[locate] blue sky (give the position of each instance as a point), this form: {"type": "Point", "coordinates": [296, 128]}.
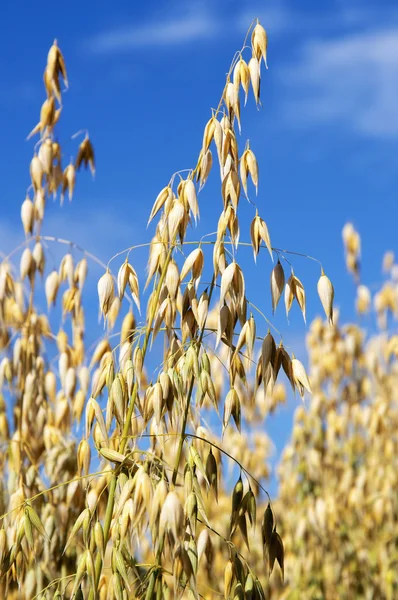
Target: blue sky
{"type": "Point", "coordinates": [143, 77]}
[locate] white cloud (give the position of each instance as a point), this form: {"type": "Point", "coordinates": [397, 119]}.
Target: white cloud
{"type": "Point", "coordinates": [194, 24]}
{"type": "Point", "coordinates": [189, 23]}
{"type": "Point", "coordinates": [351, 80]}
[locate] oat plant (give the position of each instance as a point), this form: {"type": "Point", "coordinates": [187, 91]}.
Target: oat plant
{"type": "Point", "coordinates": [337, 505]}
{"type": "Point", "coordinates": [138, 503]}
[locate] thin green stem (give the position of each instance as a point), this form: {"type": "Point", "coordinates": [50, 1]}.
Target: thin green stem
{"type": "Point", "coordinates": [188, 400]}
{"type": "Point", "coordinates": [112, 488]}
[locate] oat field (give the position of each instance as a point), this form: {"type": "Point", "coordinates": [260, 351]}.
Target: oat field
{"type": "Point", "coordinates": [120, 481]}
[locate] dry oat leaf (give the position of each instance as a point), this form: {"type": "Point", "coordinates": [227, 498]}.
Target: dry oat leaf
{"type": "Point", "coordinates": [326, 295]}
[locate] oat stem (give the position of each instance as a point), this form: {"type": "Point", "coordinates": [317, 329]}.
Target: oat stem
{"type": "Point", "coordinates": [127, 424]}
{"type": "Point", "coordinates": [188, 399]}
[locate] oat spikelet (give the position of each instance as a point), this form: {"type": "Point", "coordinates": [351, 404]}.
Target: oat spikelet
{"type": "Point", "coordinates": [56, 63]}
{"type": "Point", "coordinates": [106, 292]}
{"type": "Point", "coordinates": [277, 284]}
{"type": "Point", "coordinates": [68, 181]}
{"type": "Point", "coordinates": [326, 294]}
{"type": "Point", "coordinates": [259, 233]}
{"type": "Point", "coordinates": [85, 155]}
{"type": "Point", "coordinates": [254, 70]}
{"type": "Point", "coordinates": [27, 215]}
{"type": "Point", "coordinates": [259, 43]}
{"type": "Point", "coordinates": [300, 377]}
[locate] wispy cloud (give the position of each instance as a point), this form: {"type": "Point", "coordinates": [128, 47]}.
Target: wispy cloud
{"type": "Point", "coordinates": [193, 24]}
{"type": "Point", "coordinates": [187, 23]}
{"type": "Point", "coordinates": [351, 80]}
